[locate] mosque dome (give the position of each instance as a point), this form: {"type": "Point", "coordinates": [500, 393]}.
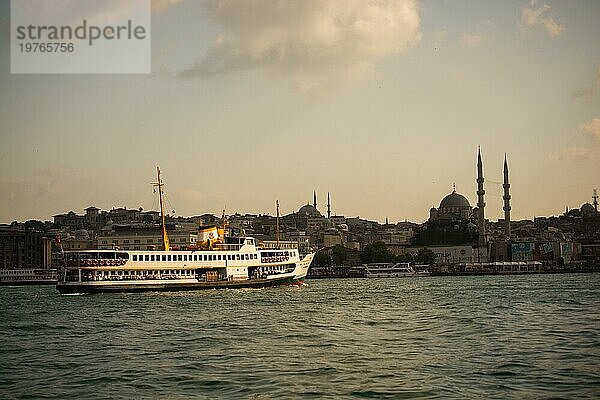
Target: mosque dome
{"type": "Point", "coordinates": [587, 208]}
{"type": "Point", "coordinates": [455, 200]}
{"type": "Point", "coordinates": [310, 211]}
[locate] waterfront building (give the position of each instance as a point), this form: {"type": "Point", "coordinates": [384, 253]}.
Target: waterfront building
{"type": "Point", "coordinates": [144, 238]}
{"type": "Point", "coordinates": [22, 249]}
{"type": "Point", "coordinates": [449, 255]}
{"type": "Point", "coordinates": [69, 220]}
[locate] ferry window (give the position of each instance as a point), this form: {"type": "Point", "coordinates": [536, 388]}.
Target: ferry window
{"type": "Point", "coordinates": [147, 257]}
{"type": "Point", "coordinates": [219, 257]}
{"type": "Point", "coordinates": [105, 242]}
{"type": "Point", "coordinates": [148, 240]}
{"type": "Point", "coordinates": [179, 258]}
{"type": "Point", "coordinates": [164, 257]}
{"type": "Point", "coordinates": [152, 257]}
{"type": "Point", "coordinates": [185, 257]}
{"type": "Point", "coordinates": [169, 257]}
{"type": "Point", "coordinates": [126, 241]}
{"type": "Point", "coordinates": [247, 257]}
{"type": "Point", "coordinates": [205, 257]}
{"type": "Point", "coordinates": [237, 256]}
{"type": "Point", "coordinates": [136, 241]}
{"type": "Point", "coordinates": [135, 257]}
{"type": "Point", "coordinates": [287, 253]}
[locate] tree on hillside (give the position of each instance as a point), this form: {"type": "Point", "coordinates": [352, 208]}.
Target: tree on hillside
{"type": "Point", "coordinates": [405, 258]}
{"type": "Point", "coordinates": [376, 253]}
{"type": "Point", "coordinates": [321, 259]}
{"type": "Point", "coordinates": [425, 256]}
{"type": "Point", "coordinates": [339, 255]}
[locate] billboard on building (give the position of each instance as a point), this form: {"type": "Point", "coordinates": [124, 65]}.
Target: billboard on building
{"type": "Point", "coordinates": [566, 251]}
{"type": "Point", "coordinates": [522, 251]}
{"type": "Point", "coordinates": [544, 251]}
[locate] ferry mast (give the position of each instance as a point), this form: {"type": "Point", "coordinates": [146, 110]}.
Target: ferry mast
{"type": "Point", "coordinates": [277, 230]}
{"type": "Point", "coordinates": [165, 237]}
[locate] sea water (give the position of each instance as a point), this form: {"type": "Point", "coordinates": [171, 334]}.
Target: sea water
{"type": "Point", "coordinates": [529, 336]}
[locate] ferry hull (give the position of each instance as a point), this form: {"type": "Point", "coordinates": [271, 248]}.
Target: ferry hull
{"type": "Point", "coordinates": [116, 287]}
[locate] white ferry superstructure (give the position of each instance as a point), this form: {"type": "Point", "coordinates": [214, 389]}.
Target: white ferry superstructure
{"type": "Point", "coordinates": [391, 270]}
{"type": "Point", "coordinates": [231, 262]}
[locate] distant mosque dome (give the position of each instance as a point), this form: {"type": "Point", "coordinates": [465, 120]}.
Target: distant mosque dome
{"type": "Point", "coordinates": [453, 205]}
{"type": "Point", "coordinates": [454, 200]}
{"type": "Point", "coordinates": [309, 211]}
{"type": "Point", "coordinates": [587, 209]}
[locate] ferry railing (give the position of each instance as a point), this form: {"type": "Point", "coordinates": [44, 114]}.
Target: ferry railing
{"type": "Point", "coordinates": [227, 246]}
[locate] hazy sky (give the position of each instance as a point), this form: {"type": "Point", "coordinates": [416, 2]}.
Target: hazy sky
{"type": "Point", "coordinates": [382, 103]}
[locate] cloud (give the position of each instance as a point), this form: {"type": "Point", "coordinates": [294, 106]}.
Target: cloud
{"type": "Point", "coordinates": [589, 150]}
{"type": "Point", "coordinates": [592, 130]}
{"type": "Point", "coordinates": [316, 44]}
{"type": "Point", "coordinates": [440, 39]}
{"type": "Point", "coordinates": [457, 73]}
{"type": "Point", "coordinates": [162, 5]}
{"type": "Point", "coordinates": [471, 39]}
{"type": "Point", "coordinates": [590, 91]}
{"type": "Point", "coordinates": [534, 15]}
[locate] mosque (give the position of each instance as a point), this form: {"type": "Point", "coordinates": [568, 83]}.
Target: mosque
{"type": "Point", "coordinates": [455, 222]}
{"type": "Point", "coordinates": [310, 210]}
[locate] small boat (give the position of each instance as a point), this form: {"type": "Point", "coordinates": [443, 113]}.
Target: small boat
{"type": "Point", "coordinates": [391, 270]}
{"type": "Point", "coordinates": [216, 263]}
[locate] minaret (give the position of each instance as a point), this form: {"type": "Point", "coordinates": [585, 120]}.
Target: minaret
{"type": "Point", "coordinates": [480, 201]}
{"type": "Point", "coordinates": [595, 199]}
{"type": "Point", "coordinates": [506, 199]}
{"type": "Point", "coordinates": [315, 199]}
{"type": "Point", "coordinates": [328, 206]}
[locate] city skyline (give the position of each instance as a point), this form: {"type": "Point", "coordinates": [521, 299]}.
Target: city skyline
{"type": "Point", "coordinates": [381, 104]}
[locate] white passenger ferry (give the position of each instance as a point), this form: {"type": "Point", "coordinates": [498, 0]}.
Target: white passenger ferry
{"type": "Point", "coordinates": [225, 262]}
{"type": "Point", "coordinates": [391, 270]}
